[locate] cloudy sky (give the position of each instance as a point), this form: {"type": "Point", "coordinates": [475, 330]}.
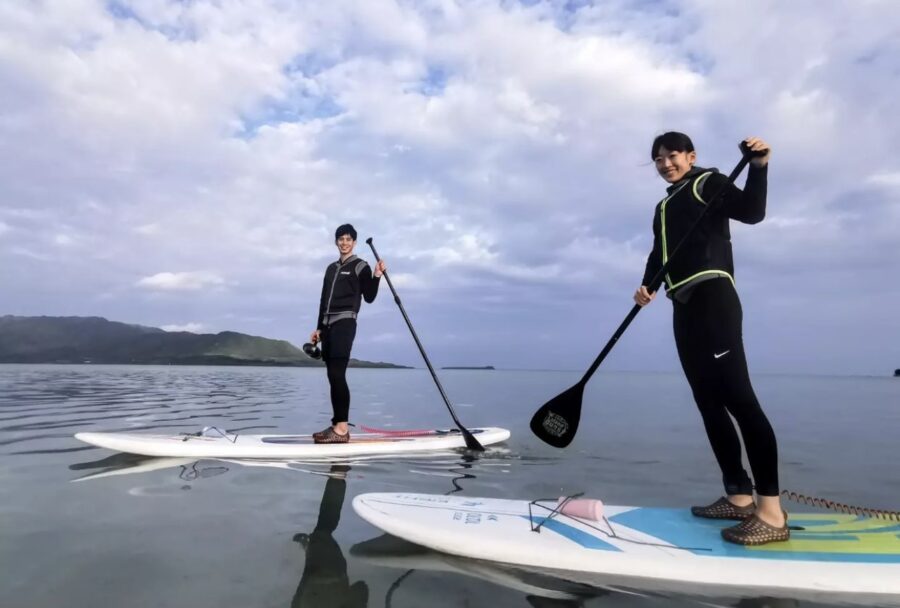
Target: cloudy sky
{"type": "Point", "coordinates": [184, 164]}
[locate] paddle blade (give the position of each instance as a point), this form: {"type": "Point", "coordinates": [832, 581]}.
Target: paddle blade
{"type": "Point", "coordinates": [557, 420]}
{"type": "Point", "coordinates": [471, 442]}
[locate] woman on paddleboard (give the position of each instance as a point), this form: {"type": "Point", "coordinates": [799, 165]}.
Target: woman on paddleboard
{"type": "Point", "coordinates": [347, 281]}
{"type": "Point", "coordinates": [707, 323]}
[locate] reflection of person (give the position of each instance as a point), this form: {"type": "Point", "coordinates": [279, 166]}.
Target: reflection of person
{"type": "Point", "coordinates": [547, 602]}
{"type": "Point", "coordinates": [347, 282]}
{"type": "Point", "coordinates": [324, 582]}
{"type": "Point", "coordinates": [707, 321]}
{"type": "Point", "coordinates": [767, 602]}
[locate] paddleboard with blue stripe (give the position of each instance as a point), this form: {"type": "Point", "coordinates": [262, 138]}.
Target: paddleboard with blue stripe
{"type": "Point", "coordinates": [661, 549]}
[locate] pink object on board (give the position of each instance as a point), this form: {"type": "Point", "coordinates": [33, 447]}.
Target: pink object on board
{"type": "Point", "coordinates": [585, 508]}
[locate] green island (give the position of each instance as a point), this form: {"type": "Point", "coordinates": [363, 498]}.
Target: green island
{"type": "Point", "coordinates": [95, 340]}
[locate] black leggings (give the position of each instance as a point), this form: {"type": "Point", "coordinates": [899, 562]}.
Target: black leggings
{"type": "Point", "coordinates": [337, 342]}
{"type": "Point", "coordinates": [340, 391]}
{"type": "Point", "coordinates": [710, 345]}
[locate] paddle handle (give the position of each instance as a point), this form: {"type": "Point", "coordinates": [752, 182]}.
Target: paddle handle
{"type": "Point", "coordinates": [413, 332]}
{"type": "Point", "coordinates": [609, 345]}
{"type": "Point", "coordinates": [471, 442]}
{"type": "Point", "coordinates": [393, 291]}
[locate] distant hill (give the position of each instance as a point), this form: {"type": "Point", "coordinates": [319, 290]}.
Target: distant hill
{"type": "Point", "coordinates": [97, 340]}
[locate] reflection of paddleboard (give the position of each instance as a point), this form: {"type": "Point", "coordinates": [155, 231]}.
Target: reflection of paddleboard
{"type": "Point", "coordinates": [215, 444]}
{"type": "Point", "coordinates": [652, 548]}
{"type": "Point", "coordinates": [393, 552]}
{"type": "Point", "coordinates": [143, 466]}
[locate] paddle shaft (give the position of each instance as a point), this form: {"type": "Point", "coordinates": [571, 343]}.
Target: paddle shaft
{"type": "Point", "coordinates": [471, 442]}
{"type": "Point", "coordinates": [657, 279]}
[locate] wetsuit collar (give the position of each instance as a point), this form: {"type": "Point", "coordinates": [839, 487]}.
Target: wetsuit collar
{"type": "Point", "coordinates": [350, 258]}
{"type": "Point", "coordinates": [694, 172]}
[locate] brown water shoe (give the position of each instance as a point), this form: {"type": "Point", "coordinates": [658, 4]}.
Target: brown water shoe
{"type": "Point", "coordinates": [754, 531]}
{"type": "Point", "coordinates": [330, 436]}
{"type": "Point", "coordinates": [724, 509]}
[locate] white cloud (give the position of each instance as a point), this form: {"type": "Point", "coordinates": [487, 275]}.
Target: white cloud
{"type": "Point", "coordinates": [181, 281]}
{"type": "Point", "coordinates": [386, 338]}
{"type": "Point", "coordinates": [889, 180]}
{"type": "Point", "coordinates": [28, 253]}
{"type": "Point", "coordinates": [148, 229]}
{"type": "Point", "coordinates": [496, 151]}
{"type": "Point", "coordinates": [194, 328]}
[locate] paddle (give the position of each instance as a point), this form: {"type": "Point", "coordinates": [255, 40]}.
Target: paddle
{"type": "Point", "coordinates": [471, 442]}
{"type": "Point", "coordinates": [557, 420]}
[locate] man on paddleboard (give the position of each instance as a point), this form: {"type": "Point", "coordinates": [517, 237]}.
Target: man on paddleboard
{"type": "Point", "coordinates": [707, 324]}
{"type": "Point", "coordinates": [347, 281]}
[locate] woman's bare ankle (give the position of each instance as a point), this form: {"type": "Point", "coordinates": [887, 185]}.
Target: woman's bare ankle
{"type": "Point", "coordinates": [740, 500]}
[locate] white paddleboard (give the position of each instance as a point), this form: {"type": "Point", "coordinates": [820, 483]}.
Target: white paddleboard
{"type": "Point", "coordinates": [215, 444]}
{"type": "Point", "coordinates": [653, 548]}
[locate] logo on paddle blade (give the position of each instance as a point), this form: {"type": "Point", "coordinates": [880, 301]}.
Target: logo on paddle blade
{"type": "Point", "coordinates": [555, 424]}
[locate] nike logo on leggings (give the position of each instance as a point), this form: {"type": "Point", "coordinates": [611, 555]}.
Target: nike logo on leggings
{"type": "Point", "coordinates": [720, 355]}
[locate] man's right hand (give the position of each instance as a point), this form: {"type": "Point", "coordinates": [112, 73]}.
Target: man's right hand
{"type": "Point", "coordinates": [315, 336]}
{"type": "Point", "coordinates": [642, 297]}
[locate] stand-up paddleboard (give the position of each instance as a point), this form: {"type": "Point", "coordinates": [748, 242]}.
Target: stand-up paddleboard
{"type": "Point", "coordinates": [653, 548]}
{"type": "Point", "coordinates": [213, 443]}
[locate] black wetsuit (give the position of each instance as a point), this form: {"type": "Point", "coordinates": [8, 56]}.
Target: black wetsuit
{"type": "Point", "coordinates": [708, 318]}
{"type": "Point", "coordinates": [345, 285]}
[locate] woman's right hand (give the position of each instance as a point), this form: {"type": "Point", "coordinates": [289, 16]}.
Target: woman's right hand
{"type": "Point", "coordinates": [642, 297]}
{"type": "Point", "coordinates": [315, 336]}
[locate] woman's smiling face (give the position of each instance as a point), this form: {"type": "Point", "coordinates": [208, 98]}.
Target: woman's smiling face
{"type": "Point", "coordinates": [672, 166]}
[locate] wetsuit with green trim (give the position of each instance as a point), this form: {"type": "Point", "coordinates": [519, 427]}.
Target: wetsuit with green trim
{"type": "Point", "coordinates": [346, 284]}
{"type": "Point", "coordinates": [707, 319]}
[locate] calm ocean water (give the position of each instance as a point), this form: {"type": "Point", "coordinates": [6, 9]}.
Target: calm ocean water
{"type": "Point", "coordinates": [81, 526]}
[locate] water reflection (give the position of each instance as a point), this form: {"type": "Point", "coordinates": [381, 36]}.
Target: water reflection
{"type": "Point", "coordinates": [456, 465]}
{"type": "Point", "coordinates": [325, 581]}
{"type": "Point", "coordinates": [189, 469]}
{"type": "Point", "coordinates": [391, 552]}
{"type": "Point", "coordinates": [541, 589]}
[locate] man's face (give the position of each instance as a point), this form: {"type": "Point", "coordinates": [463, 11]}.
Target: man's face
{"type": "Point", "coordinates": [673, 165]}
{"type": "Point", "coordinates": [345, 244]}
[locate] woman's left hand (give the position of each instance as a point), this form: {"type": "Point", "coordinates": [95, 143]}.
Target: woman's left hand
{"type": "Point", "coordinates": [758, 145]}
{"type": "Point", "coordinates": [380, 268]}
